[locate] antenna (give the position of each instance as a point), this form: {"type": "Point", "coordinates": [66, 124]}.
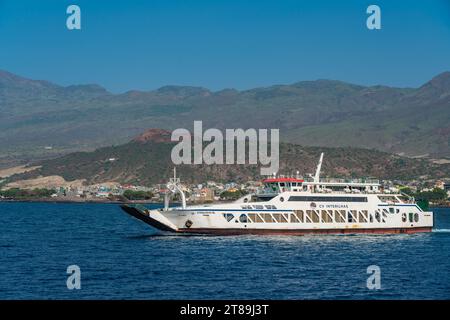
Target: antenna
{"type": "Point", "coordinates": [319, 166]}
{"type": "Point", "coordinates": [174, 180]}
{"type": "Point", "coordinates": [174, 186]}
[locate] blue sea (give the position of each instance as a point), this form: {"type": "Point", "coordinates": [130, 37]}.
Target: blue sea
{"type": "Point", "coordinates": [122, 258]}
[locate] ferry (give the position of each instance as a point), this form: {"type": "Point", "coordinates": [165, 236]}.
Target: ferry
{"type": "Point", "coordinates": [295, 206]}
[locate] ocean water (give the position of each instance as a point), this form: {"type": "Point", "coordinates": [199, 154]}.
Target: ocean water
{"type": "Point", "coordinates": [122, 258]}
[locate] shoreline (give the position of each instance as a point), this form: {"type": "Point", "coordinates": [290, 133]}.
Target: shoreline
{"type": "Point", "coordinates": [102, 201]}
{"type": "Point", "coordinates": [96, 201]}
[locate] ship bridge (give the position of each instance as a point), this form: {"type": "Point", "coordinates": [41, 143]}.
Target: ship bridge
{"type": "Point", "coordinates": [344, 185]}
{"type": "Point", "coordinates": [276, 185]}
{"type": "Point", "coordinates": [314, 184]}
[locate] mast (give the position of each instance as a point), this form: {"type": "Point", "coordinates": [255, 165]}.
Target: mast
{"type": "Point", "coordinates": [319, 166]}
{"type": "Point", "coordinates": [174, 186]}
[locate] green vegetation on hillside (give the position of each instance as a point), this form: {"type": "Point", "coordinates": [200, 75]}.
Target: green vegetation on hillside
{"type": "Point", "coordinates": [149, 162]}
{"type": "Point", "coordinates": [137, 195]}
{"type": "Point", "coordinates": [436, 195]}
{"type": "Point", "coordinates": [232, 195]}
{"type": "Point", "coordinates": [16, 193]}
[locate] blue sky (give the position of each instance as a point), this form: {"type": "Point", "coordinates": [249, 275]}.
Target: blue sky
{"type": "Point", "coordinates": [219, 44]}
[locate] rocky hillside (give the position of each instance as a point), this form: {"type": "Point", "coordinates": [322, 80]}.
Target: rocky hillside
{"type": "Point", "coordinates": [146, 160]}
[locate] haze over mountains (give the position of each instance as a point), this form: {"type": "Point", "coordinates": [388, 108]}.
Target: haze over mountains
{"type": "Point", "coordinates": [35, 114]}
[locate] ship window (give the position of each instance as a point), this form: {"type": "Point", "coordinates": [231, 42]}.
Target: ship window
{"type": "Point", "coordinates": [339, 216]}
{"type": "Point", "coordinates": [228, 216]}
{"type": "Point", "coordinates": [267, 217]}
{"type": "Point", "coordinates": [329, 199]}
{"type": "Point", "coordinates": [377, 215]}
{"type": "Point", "coordinates": [313, 216]}
{"type": "Point", "coordinates": [294, 218]}
{"type": "Point", "coordinates": [299, 214]}
{"type": "Point", "coordinates": [416, 217]}
{"type": "Point", "coordinates": [243, 218]}
{"type": "Point", "coordinates": [411, 215]}
{"type": "Point", "coordinates": [362, 216]}
{"type": "Point", "coordinates": [254, 217]}
{"type": "Point", "coordinates": [326, 217]}
{"type": "Point", "coordinates": [279, 217]}
{"type": "Point", "coordinates": [308, 217]}
{"type": "Point", "coordinates": [391, 210]}
{"type": "Point", "coordinates": [391, 199]}
{"type": "Point", "coordinates": [350, 217]}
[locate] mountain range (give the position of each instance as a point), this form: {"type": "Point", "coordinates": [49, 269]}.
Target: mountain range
{"type": "Point", "coordinates": [39, 119]}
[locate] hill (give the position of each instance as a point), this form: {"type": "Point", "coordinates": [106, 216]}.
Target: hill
{"type": "Point", "coordinates": [36, 114]}
{"type": "Point", "coordinates": [146, 160]}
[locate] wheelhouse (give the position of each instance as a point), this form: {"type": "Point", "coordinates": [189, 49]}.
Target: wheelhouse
{"type": "Point", "coordinates": [274, 186]}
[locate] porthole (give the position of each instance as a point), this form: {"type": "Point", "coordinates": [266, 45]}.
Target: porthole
{"type": "Point", "coordinates": [416, 217]}
{"type": "Point", "coordinates": [243, 218]}
{"type": "Point", "coordinates": [281, 199]}
{"type": "Point", "coordinates": [404, 217]}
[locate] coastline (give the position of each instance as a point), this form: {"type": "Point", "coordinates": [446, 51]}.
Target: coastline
{"type": "Point", "coordinates": [100, 201]}
{"type": "Point", "coordinates": [105, 201]}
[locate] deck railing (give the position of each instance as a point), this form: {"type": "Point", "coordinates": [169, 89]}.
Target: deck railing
{"type": "Point", "coordinates": [350, 181]}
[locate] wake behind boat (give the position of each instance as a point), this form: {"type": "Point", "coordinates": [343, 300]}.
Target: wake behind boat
{"type": "Point", "coordinates": [295, 206]}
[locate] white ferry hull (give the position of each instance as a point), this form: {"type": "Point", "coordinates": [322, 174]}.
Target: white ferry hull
{"type": "Point", "coordinates": [215, 224]}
